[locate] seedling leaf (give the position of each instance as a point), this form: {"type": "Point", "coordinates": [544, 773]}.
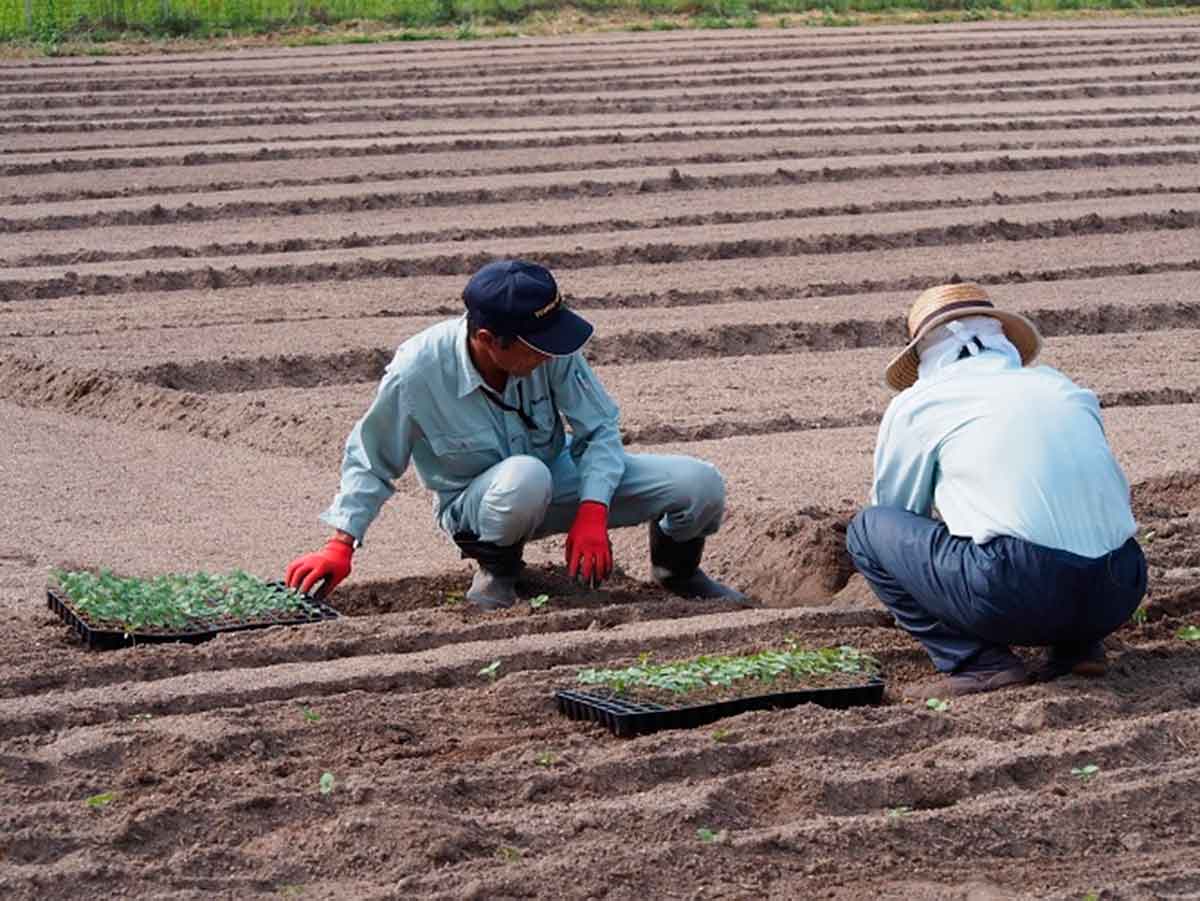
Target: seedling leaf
{"type": "Point", "coordinates": [96, 802]}
{"type": "Point", "coordinates": [546, 758]}
{"type": "Point", "coordinates": [939, 704]}
{"type": "Point", "coordinates": [310, 715]}
{"type": "Point", "coordinates": [896, 813]}
{"type": "Point", "coordinates": [706, 835]}
{"type": "Point", "coordinates": [491, 671]}
{"type": "Point", "coordinates": [326, 783]}
{"type": "Point", "coordinates": [1140, 615]}
{"type": "Point", "coordinates": [539, 602]}
{"type": "Point", "coordinates": [722, 736]}
{"type": "Point", "coordinates": [507, 854]}
{"type": "Point", "coordinates": [1189, 633]}
{"type": "Point", "coordinates": [1085, 772]}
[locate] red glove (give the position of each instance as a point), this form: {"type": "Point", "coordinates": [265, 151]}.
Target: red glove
{"type": "Point", "coordinates": [331, 564]}
{"type": "Point", "coordinates": [589, 553]}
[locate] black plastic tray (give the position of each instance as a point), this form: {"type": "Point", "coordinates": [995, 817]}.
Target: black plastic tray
{"type": "Point", "coordinates": [628, 716]}
{"type": "Point", "coordinates": [108, 639]}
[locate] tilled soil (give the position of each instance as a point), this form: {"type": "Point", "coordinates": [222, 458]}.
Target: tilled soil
{"type": "Point", "coordinates": [207, 260]}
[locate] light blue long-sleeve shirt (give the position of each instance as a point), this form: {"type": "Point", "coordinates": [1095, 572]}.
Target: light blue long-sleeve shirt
{"type": "Point", "coordinates": [1004, 450]}
{"type": "Point", "coordinates": [431, 409]}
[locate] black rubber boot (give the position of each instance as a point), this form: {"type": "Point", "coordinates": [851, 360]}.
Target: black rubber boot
{"type": "Point", "coordinates": [495, 584]}
{"type": "Point", "coordinates": [675, 565]}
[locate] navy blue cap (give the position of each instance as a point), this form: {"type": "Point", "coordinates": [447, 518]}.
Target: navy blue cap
{"type": "Point", "coordinates": [517, 299]}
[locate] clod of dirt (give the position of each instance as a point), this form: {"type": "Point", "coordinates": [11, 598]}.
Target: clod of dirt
{"type": "Point", "coordinates": [792, 560]}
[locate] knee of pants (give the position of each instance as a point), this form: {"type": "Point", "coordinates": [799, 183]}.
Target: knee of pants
{"type": "Point", "coordinates": [858, 542]}
{"type": "Point", "coordinates": [515, 504]}
{"type": "Point", "coordinates": [703, 486]}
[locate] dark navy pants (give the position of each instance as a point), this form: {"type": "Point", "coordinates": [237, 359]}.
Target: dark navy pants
{"type": "Point", "coordinates": [968, 602]}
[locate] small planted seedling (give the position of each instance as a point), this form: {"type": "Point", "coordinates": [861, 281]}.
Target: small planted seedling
{"type": "Point", "coordinates": [539, 602]}
{"type": "Point", "coordinates": [454, 597]}
{"type": "Point", "coordinates": [327, 783]}
{"type": "Point", "coordinates": [723, 736]}
{"type": "Point", "coordinates": [491, 672]}
{"type": "Point", "coordinates": [1189, 633]}
{"type": "Point", "coordinates": [546, 759]}
{"type": "Point", "coordinates": [1140, 615]}
{"type": "Point", "coordinates": [706, 835]}
{"type": "Point", "coordinates": [1086, 772]}
{"type": "Point", "coordinates": [899, 812]}
{"type": "Point", "coordinates": [102, 800]}
{"type": "Point", "coordinates": [941, 705]}
{"type": "Point", "coordinates": [310, 715]}
{"type": "Point", "coordinates": [140, 717]}
{"type": "Point", "coordinates": [508, 854]}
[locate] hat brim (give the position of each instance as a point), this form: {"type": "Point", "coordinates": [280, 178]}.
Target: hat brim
{"type": "Point", "coordinates": [568, 333]}
{"type": "Point", "coordinates": [904, 368]}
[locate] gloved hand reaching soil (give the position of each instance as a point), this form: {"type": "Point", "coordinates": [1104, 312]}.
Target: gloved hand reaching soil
{"type": "Point", "coordinates": [589, 552]}
{"type": "Point", "coordinates": [331, 565]}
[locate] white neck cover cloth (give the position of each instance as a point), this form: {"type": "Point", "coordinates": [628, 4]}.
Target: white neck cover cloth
{"type": "Point", "coordinates": [943, 345]}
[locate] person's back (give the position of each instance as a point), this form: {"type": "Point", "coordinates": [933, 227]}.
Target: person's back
{"type": "Point", "coordinates": [1021, 452]}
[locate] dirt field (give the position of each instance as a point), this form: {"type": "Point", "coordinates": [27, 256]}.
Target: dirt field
{"type": "Point", "coordinates": [205, 262]}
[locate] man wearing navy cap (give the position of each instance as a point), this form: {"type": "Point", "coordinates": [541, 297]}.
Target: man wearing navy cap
{"type": "Point", "coordinates": [478, 405]}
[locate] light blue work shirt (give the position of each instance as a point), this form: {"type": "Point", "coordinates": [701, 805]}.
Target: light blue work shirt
{"type": "Point", "coordinates": [1004, 450]}
{"type": "Point", "coordinates": [431, 408]}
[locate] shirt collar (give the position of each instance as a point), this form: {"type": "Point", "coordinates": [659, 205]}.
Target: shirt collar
{"type": "Point", "coordinates": [469, 378]}
{"type": "Point", "coordinates": [984, 362]}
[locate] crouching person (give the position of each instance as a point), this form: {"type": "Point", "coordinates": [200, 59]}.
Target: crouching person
{"type": "Point", "coordinates": [478, 405]}
{"type": "Point", "coordinates": [1035, 540]}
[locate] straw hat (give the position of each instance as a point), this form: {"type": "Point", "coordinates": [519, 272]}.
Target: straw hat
{"type": "Point", "coordinates": [943, 303]}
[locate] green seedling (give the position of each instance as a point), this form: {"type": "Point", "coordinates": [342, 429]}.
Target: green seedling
{"type": "Point", "coordinates": [102, 800]}
{"type": "Point", "coordinates": [706, 835]}
{"type": "Point", "coordinates": [326, 784]}
{"type": "Point", "coordinates": [1148, 537]}
{"type": "Point", "coordinates": [1189, 633]}
{"type": "Point", "coordinates": [491, 671]}
{"type": "Point", "coordinates": [1140, 615]}
{"type": "Point", "coordinates": [1091, 896]}
{"type": "Point", "coordinates": [939, 704]}
{"type": "Point", "coordinates": [1085, 772]}
{"type": "Point", "coordinates": [140, 717]}
{"type": "Point", "coordinates": [177, 601]}
{"type": "Point", "coordinates": [508, 854]}
{"type": "Point", "coordinates": [897, 813]}
{"type": "Point", "coordinates": [546, 759]}
{"type": "Point", "coordinates": [723, 736]}
{"type": "Point", "coordinates": [539, 602]}
{"type": "Point", "coordinates": [310, 715]}
{"type": "Point", "coordinates": [454, 597]}
{"type": "Point", "coordinates": [702, 672]}
{"type": "Point", "coordinates": [291, 891]}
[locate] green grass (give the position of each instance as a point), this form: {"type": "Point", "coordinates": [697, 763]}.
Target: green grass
{"type": "Point", "coordinates": [175, 601]}
{"type": "Point", "coordinates": [685, 676]}
{"type": "Point", "coordinates": [52, 23]}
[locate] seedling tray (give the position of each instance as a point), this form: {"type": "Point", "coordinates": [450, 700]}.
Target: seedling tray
{"type": "Point", "coordinates": [99, 638]}
{"type": "Point", "coordinates": [624, 717]}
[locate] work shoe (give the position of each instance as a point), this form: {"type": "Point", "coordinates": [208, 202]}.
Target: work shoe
{"type": "Point", "coordinates": [1078, 659]}
{"type": "Point", "coordinates": [489, 591]}
{"type": "Point", "coordinates": [675, 565]}
{"type": "Point", "coordinates": [495, 584]}
{"type": "Point", "coordinates": [967, 682]}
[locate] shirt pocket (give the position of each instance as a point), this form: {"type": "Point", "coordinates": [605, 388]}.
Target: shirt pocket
{"type": "Point", "coordinates": [464, 456]}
